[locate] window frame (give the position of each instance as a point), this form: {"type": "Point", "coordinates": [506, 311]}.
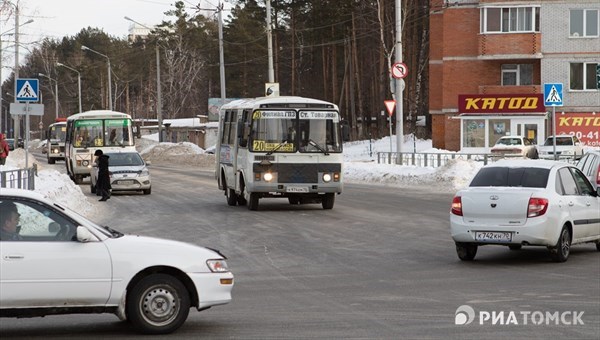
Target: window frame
{"type": "Point", "coordinates": [583, 76]}
{"type": "Point", "coordinates": [584, 26]}
{"type": "Point", "coordinates": [510, 19]}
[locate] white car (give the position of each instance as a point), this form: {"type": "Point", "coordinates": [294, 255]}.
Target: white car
{"type": "Point", "coordinates": [129, 172]}
{"type": "Point", "coordinates": [567, 146]}
{"type": "Point", "coordinates": [518, 203]}
{"type": "Point", "coordinates": [514, 146]}
{"type": "Point", "coordinates": [62, 263]}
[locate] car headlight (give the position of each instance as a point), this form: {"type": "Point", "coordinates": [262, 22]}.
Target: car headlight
{"type": "Point", "coordinates": [55, 151]}
{"type": "Point", "coordinates": [144, 173]}
{"type": "Point", "coordinates": [267, 176]}
{"type": "Point", "coordinates": [217, 266]}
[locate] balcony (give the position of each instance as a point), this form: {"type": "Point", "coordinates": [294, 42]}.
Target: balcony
{"type": "Point", "coordinates": [499, 89]}
{"type": "Point", "coordinates": [510, 46]}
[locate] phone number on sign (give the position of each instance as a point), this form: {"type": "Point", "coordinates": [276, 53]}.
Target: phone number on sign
{"type": "Point", "coordinates": [587, 138]}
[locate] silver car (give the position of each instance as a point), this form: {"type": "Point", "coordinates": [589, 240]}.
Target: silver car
{"type": "Point", "coordinates": [128, 172]}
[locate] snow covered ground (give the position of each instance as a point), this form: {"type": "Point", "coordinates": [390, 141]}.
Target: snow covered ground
{"type": "Point", "coordinates": [360, 166]}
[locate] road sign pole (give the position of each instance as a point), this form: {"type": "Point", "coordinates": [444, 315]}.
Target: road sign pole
{"type": "Point", "coordinates": [554, 132]}
{"type": "Point", "coordinates": [26, 145]}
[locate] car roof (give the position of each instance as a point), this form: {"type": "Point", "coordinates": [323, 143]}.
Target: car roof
{"type": "Point", "coordinates": [527, 163]}
{"type": "Point", "coordinates": [22, 193]}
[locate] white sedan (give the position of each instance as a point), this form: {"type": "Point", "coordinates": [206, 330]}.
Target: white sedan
{"type": "Point", "coordinates": [128, 172]}
{"type": "Point", "coordinates": [54, 261]}
{"type": "Point", "coordinates": [514, 146]}
{"type": "Point", "coordinates": [518, 203]}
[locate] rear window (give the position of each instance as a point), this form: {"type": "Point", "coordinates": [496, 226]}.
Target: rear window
{"type": "Point", "coordinates": [511, 177]}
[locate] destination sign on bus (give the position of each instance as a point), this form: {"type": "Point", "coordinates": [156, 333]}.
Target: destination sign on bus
{"type": "Point", "coordinates": [273, 114]}
{"type": "Point", "coordinates": [261, 145]}
{"type": "Point", "coordinates": [319, 115]}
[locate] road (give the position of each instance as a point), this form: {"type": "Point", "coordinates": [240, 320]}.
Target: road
{"type": "Point", "coordinates": [379, 265]}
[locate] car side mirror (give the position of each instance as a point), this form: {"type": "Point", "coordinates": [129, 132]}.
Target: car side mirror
{"type": "Point", "coordinates": [84, 235]}
{"type": "Point", "coordinates": [148, 163]}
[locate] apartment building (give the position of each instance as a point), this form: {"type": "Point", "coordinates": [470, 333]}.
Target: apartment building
{"type": "Point", "coordinates": [489, 61]}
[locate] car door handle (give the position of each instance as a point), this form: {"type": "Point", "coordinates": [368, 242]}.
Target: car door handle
{"type": "Point", "coordinates": [14, 257]}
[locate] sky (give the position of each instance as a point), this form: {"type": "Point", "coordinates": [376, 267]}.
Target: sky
{"type": "Point", "coordinates": [360, 166]}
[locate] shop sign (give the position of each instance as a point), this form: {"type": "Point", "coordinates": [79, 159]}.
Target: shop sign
{"type": "Point", "coordinates": [585, 126]}
{"type": "Point", "coordinates": [501, 103]}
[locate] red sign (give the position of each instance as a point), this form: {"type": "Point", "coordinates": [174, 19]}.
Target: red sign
{"type": "Point", "coordinates": [501, 103]}
{"type": "Point", "coordinates": [585, 126]}
{"type": "Point", "coordinates": [399, 70]}
{"type": "Point", "coordinates": [390, 105]}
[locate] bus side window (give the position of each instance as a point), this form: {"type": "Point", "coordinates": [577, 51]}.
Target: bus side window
{"type": "Point", "coordinates": [244, 129]}
{"type": "Point", "coordinates": [232, 126]}
{"type": "Point", "coordinates": [225, 132]}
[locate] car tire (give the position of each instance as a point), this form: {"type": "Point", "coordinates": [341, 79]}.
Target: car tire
{"type": "Point", "coordinates": [328, 201]}
{"type": "Point", "coordinates": [253, 201]}
{"type": "Point", "coordinates": [515, 247]}
{"type": "Point", "coordinates": [598, 246]}
{"type": "Point", "coordinates": [147, 191]}
{"type": "Point", "coordinates": [466, 251]}
{"type": "Point", "coordinates": [560, 252]}
{"type": "Point", "coordinates": [51, 161]}
{"type": "Point", "coordinates": [158, 304]}
{"type": "Point", "coordinates": [294, 200]}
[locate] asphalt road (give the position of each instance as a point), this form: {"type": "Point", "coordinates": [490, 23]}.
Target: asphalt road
{"type": "Point", "coordinates": [379, 265]}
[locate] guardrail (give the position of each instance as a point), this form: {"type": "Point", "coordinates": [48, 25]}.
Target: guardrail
{"type": "Point", "coordinates": [436, 160]}
{"type": "Point", "coordinates": [19, 178]}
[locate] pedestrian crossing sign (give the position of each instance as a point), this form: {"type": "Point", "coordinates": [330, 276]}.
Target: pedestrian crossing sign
{"type": "Point", "coordinates": [27, 90]}
{"type": "Point", "coordinates": [553, 94]}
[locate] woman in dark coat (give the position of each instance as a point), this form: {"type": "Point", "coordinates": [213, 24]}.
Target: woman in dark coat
{"type": "Point", "coordinates": [103, 182]}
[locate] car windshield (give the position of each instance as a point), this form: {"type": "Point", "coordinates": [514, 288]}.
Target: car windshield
{"type": "Point", "coordinates": [559, 141]}
{"type": "Point", "coordinates": [511, 177]}
{"type": "Point", "coordinates": [125, 159]}
{"type": "Point", "coordinates": [509, 141]}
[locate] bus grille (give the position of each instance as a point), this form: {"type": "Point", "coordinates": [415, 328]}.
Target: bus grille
{"type": "Point", "coordinates": [298, 173]}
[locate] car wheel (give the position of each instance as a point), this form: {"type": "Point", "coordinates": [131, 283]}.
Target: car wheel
{"type": "Point", "coordinates": [51, 161]}
{"type": "Point", "coordinates": [466, 251]}
{"type": "Point", "coordinates": [328, 201]}
{"type": "Point", "coordinates": [253, 201]}
{"type": "Point", "coordinates": [560, 252]}
{"type": "Point", "coordinates": [515, 247]}
{"type": "Point", "coordinates": [147, 191]}
{"type": "Point", "coordinates": [294, 200]}
{"type": "Point", "coordinates": [598, 246]}
{"type": "Point", "coordinates": [158, 304]}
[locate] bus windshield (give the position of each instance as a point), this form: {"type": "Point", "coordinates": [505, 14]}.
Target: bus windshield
{"type": "Point", "coordinates": [291, 131]}
{"type": "Point", "coordinates": [102, 132]}
{"type": "Point", "coordinates": [57, 133]}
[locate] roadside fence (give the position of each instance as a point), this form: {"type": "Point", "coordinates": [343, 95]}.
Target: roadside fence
{"type": "Point", "coordinates": [436, 160]}
{"type": "Point", "coordinates": [19, 178]}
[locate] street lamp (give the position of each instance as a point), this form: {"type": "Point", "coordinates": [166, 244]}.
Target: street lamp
{"type": "Point", "coordinates": [78, 81]}
{"type": "Point", "coordinates": [158, 86]}
{"type": "Point", "coordinates": [110, 104]}
{"type": "Point", "coordinates": [55, 91]}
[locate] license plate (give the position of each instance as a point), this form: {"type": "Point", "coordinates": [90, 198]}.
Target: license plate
{"type": "Point", "coordinates": [493, 236]}
{"type": "Point", "coordinates": [126, 182]}
{"type": "Point", "coordinates": [296, 189]}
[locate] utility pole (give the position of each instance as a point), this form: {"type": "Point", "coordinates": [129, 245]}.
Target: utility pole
{"type": "Point", "coordinates": [270, 43]}
{"type": "Point", "coordinates": [399, 82]}
{"type": "Point", "coordinates": [17, 120]}
{"type": "Point", "coordinates": [221, 56]}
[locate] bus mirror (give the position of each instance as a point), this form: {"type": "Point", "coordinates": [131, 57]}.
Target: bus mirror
{"type": "Point", "coordinates": [345, 130]}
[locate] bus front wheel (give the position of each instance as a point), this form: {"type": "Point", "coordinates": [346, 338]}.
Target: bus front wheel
{"type": "Point", "coordinates": [328, 201]}
{"type": "Point", "coordinates": [253, 201]}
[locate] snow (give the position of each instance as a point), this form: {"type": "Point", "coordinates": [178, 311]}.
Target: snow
{"type": "Point", "coordinates": [360, 166]}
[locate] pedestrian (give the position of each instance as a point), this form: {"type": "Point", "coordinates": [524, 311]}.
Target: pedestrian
{"type": "Point", "coordinates": [103, 181]}
{"type": "Point", "coordinates": [3, 149]}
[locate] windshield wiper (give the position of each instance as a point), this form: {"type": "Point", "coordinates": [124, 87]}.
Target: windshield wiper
{"type": "Point", "coordinates": [277, 147]}
{"type": "Point", "coordinates": [316, 145]}
{"type": "Point", "coordinates": [113, 232]}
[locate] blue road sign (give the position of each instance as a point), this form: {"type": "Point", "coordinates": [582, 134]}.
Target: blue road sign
{"type": "Point", "coordinates": [553, 94]}
{"type": "Point", "coordinates": [27, 90]}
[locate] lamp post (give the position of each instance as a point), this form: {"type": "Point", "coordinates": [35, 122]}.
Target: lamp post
{"type": "Point", "coordinates": [55, 91]}
{"type": "Point", "coordinates": [158, 85]}
{"type": "Point", "coordinates": [110, 103]}
{"type": "Point", "coordinates": [78, 81]}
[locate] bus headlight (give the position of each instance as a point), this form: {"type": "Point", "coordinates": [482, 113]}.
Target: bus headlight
{"type": "Point", "coordinates": [85, 163]}
{"type": "Point", "coordinates": [267, 176]}
{"type": "Point", "coordinates": [55, 151]}
{"type": "Point", "coordinates": [326, 178]}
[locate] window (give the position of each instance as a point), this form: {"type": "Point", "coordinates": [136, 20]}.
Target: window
{"type": "Point", "coordinates": [474, 133]}
{"type": "Point", "coordinates": [517, 74]}
{"type": "Point", "coordinates": [510, 19]}
{"type": "Point", "coordinates": [511, 177]}
{"type": "Point", "coordinates": [583, 23]}
{"type": "Point", "coordinates": [583, 76]}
